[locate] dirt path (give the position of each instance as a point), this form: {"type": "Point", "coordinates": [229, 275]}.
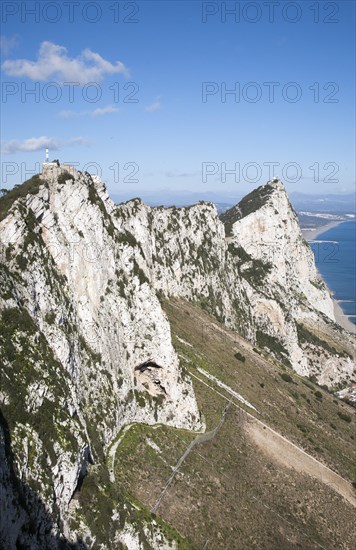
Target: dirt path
{"type": "Point", "coordinates": [283, 450]}
{"type": "Point", "coordinates": [200, 438]}
{"type": "Point", "coordinates": [287, 453]}
{"type": "Point", "coordinates": [112, 451]}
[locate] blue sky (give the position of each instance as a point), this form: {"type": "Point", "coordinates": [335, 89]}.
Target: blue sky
{"type": "Point", "coordinates": [161, 120]}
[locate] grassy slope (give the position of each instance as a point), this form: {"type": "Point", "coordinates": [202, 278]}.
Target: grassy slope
{"type": "Point", "coordinates": [228, 491]}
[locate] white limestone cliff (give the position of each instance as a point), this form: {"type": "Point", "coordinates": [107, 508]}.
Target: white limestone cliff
{"type": "Point", "coordinates": [86, 274]}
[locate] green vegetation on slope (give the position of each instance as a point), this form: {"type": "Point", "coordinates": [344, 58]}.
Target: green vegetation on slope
{"type": "Point", "coordinates": [254, 271]}
{"type": "Point", "coordinates": [227, 491]}
{"type": "Point", "coordinates": [306, 336]}
{"type": "Point", "coordinates": [252, 202]}
{"type": "Point", "coordinates": [29, 187]}
{"type": "Point", "coordinates": [28, 365]}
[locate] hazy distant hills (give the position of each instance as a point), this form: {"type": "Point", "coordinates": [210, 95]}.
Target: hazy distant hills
{"type": "Point", "coordinates": [332, 203]}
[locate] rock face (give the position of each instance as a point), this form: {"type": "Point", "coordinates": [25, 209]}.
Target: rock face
{"type": "Point", "coordinates": [252, 269]}
{"type": "Point", "coordinates": [292, 302]}
{"type": "Point", "coordinates": [78, 315]}
{"type": "Point", "coordinates": [80, 284]}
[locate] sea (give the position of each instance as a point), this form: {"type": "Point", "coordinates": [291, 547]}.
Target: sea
{"type": "Point", "coordinates": [335, 257]}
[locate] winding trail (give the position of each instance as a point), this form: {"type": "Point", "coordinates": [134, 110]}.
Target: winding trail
{"type": "Point", "coordinates": [200, 438]}
{"type": "Point", "coordinates": [112, 451]}
{"type": "Point", "coordinates": [287, 453]}
{"type": "Point", "coordinates": [272, 443]}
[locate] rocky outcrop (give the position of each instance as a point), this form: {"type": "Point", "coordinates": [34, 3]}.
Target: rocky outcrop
{"type": "Point", "coordinates": [292, 302]}
{"type": "Point", "coordinates": [78, 315]}
{"type": "Point", "coordinates": [81, 280]}
{"type": "Point", "coordinates": [252, 269]}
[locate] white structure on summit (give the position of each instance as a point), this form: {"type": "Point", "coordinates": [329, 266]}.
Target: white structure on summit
{"type": "Point", "coordinates": [51, 170]}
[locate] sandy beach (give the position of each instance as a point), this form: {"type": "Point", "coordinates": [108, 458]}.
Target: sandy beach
{"type": "Point", "coordinates": [341, 318]}
{"type": "Point", "coordinates": [313, 233]}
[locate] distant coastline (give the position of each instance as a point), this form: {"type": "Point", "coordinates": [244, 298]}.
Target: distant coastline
{"type": "Point", "coordinates": [311, 235]}
{"type": "Point", "coordinates": [340, 316]}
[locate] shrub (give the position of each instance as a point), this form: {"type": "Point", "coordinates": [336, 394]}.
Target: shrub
{"type": "Point", "coordinates": [344, 416]}
{"type": "Point", "coordinates": [139, 273]}
{"type": "Point", "coordinates": [240, 357]}
{"type": "Point", "coordinates": [21, 262]}
{"type": "Point", "coordinates": [126, 238]}
{"type": "Point", "coordinates": [239, 252]}
{"type": "Point", "coordinates": [271, 342]}
{"type": "Point", "coordinates": [302, 428]}
{"type": "Point", "coordinates": [318, 394]}
{"type": "Point", "coordinates": [50, 317]}
{"type": "Point", "coordinates": [256, 274]}
{"type": "Point", "coordinates": [286, 377]}
{"type": "Point", "coordinates": [65, 176]}
{"type": "Point", "coordinates": [92, 194]}
{"type": "Point", "coordinates": [140, 399]}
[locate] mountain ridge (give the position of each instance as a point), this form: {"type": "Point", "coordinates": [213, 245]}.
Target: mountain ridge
{"type": "Point", "coordinates": [82, 280]}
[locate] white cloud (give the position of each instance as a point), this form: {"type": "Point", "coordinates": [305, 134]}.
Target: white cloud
{"type": "Point", "coordinates": [8, 44]}
{"type": "Point", "coordinates": [39, 143]}
{"type": "Point", "coordinates": [100, 111]}
{"type": "Point", "coordinates": [105, 110]}
{"type": "Point", "coordinates": [153, 107]}
{"type": "Point", "coordinates": [53, 63]}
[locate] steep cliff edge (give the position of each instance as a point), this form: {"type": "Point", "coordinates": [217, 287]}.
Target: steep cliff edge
{"type": "Point", "coordinates": [86, 347]}
{"type": "Point", "coordinates": [293, 304]}
{"type": "Point", "coordinates": [78, 320]}
{"type": "Point", "coordinates": [253, 270]}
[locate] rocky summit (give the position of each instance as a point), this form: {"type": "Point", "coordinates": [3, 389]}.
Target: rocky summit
{"type": "Point", "coordinates": [87, 352]}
